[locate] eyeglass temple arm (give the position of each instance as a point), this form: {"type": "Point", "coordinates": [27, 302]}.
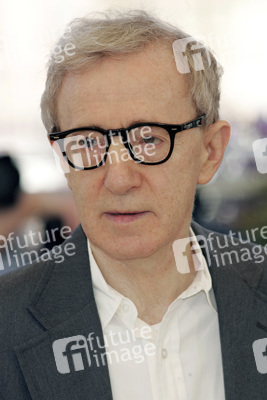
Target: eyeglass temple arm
{"type": "Point", "coordinates": [193, 124]}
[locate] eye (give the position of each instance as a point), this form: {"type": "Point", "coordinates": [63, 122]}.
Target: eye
{"type": "Point", "coordinates": [151, 140]}
{"type": "Point", "coordinates": [146, 134]}
{"type": "Point", "coordinates": [91, 142]}
{"type": "Point", "coordinates": [87, 140]}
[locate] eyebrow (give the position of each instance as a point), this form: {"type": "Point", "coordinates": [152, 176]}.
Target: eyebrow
{"type": "Point", "coordinates": [138, 121]}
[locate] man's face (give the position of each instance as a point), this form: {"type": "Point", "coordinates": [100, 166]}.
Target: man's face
{"type": "Point", "coordinates": [143, 87]}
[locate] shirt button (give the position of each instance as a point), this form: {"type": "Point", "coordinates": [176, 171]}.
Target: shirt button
{"type": "Point", "coordinates": [125, 307]}
{"type": "Point", "coordinates": [164, 353]}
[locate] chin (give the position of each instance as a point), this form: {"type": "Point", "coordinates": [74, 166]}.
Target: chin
{"type": "Point", "coordinates": [128, 249]}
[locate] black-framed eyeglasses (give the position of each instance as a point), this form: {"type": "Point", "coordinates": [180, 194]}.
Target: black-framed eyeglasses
{"type": "Point", "coordinates": [148, 143]}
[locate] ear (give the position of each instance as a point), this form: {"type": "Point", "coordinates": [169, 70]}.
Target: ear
{"type": "Point", "coordinates": [216, 138]}
{"type": "Point", "coordinates": [61, 163]}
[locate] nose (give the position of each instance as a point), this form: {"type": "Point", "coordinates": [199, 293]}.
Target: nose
{"type": "Point", "coordinates": [122, 172]}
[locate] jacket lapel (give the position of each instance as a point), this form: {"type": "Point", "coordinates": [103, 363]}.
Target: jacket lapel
{"type": "Point", "coordinates": [67, 315]}
{"type": "Point", "coordinates": [59, 363]}
{"type": "Point", "coordinates": [240, 292]}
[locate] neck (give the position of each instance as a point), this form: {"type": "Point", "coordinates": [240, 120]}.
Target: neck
{"type": "Point", "coordinates": [151, 283]}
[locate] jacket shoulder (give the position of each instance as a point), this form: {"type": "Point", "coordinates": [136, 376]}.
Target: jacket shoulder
{"type": "Point", "coordinates": [238, 256]}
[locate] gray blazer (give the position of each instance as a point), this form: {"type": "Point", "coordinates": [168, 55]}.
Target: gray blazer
{"type": "Point", "coordinates": [48, 301]}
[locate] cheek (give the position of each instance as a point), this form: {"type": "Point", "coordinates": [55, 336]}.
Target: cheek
{"type": "Point", "coordinates": [84, 191]}
{"type": "Point", "coordinates": [179, 181]}
{"type": "Point", "coordinates": [174, 193]}
{"type": "Point", "coordinates": [187, 158]}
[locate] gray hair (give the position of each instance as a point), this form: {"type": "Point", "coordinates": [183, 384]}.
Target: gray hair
{"type": "Point", "coordinates": [108, 34]}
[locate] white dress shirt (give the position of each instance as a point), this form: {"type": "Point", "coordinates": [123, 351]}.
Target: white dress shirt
{"type": "Point", "coordinates": [177, 359]}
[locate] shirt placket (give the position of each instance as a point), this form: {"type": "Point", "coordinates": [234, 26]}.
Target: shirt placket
{"type": "Point", "coordinates": [171, 381]}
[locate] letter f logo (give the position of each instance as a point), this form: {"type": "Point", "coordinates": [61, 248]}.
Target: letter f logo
{"type": "Point", "coordinates": [194, 48]}
{"type": "Point", "coordinates": [260, 354]}
{"type": "Point", "coordinates": [71, 354]}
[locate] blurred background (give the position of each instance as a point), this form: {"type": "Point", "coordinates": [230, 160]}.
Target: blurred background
{"type": "Point", "coordinates": [33, 193]}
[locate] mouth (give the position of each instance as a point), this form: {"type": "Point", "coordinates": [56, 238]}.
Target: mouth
{"type": "Point", "coordinates": [125, 217]}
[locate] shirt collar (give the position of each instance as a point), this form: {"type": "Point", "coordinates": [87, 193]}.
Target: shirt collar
{"type": "Point", "coordinates": [202, 280]}
{"type": "Point", "coordinates": [110, 302]}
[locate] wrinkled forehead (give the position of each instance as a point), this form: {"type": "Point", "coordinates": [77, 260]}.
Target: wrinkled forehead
{"type": "Point", "coordinates": [148, 78]}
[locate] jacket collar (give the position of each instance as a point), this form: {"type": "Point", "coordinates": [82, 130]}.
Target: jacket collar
{"type": "Point", "coordinates": [216, 258]}
{"type": "Point", "coordinates": [240, 290]}
{"type": "Point", "coordinates": [51, 303]}
{"type": "Point", "coordinates": [65, 308]}
{"type": "Point", "coordinates": [65, 288]}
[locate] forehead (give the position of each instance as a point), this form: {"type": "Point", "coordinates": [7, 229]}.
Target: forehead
{"type": "Point", "coordinates": [143, 85]}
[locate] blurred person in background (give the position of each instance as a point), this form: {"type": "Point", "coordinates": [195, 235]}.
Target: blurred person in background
{"type": "Point", "coordinates": [136, 124]}
{"type": "Point", "coordinates": [21, 212]}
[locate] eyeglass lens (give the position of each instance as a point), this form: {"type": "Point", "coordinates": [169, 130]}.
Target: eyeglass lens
{"type": "Point", "coordinates": [85, 149]}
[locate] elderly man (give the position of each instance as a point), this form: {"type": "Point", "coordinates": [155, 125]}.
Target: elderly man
{"type": "Point", "coordinates": [136, 313]}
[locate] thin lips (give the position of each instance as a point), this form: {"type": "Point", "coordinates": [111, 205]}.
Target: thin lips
{"type": "Point", "coordinates": [125, 212]}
